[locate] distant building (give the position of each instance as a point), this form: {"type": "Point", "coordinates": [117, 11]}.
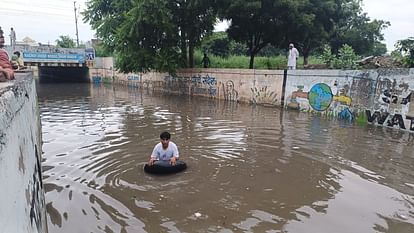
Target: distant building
{"type": "Point", "coordinates": [27, 41]}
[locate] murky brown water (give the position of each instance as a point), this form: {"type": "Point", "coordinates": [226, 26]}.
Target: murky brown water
{"type": "Point", "coordinates": [251, 169]}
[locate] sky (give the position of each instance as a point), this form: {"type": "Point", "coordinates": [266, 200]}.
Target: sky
{"type": "Point", "coordinates": [46, 20]}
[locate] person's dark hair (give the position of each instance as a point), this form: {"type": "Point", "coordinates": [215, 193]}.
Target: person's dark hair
{"type": "Point", "coordinates": [17, 53]}
{"type": "Point", "coordinates": [165, 135]}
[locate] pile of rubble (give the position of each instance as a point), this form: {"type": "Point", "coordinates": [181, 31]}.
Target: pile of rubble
{"type": "Point", "coordinates": [371, 62]}
{"type": "Point", "coordinates": [374, 62]}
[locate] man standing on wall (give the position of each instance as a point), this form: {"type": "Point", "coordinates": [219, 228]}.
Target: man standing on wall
{"type": "Point", "coordinates": [293, 55]}
{"type": "Point", "coordinates": [205, 61]}
{"type": "Point", "coordinates": [12, 38]}
{"type": "Point", "coordinates": [6, 68]}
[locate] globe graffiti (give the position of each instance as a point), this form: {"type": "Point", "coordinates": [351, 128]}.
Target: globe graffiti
{"type": "Point", "coordinates": [320, 96]}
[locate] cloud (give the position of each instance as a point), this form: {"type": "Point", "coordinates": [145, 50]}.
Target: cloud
{"type": "Point", "coordinates": [43, 20]}
{"type": "Point", "coordinates": [398, 13]}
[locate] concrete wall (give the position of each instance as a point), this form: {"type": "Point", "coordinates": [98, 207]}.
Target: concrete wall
{"type": "Point", "coordinates": [262, 87]}
{"type": "Point", "coordinates": [103, 70]}
{"type": "Point", "coordinates": [22, 206]}
{"type": "Point", "coordinates": [380, 97]}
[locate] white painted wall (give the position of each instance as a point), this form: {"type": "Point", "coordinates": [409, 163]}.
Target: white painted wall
{"type": "Point", "coordinates": [380, 96]}
{"type": "Point", "coordinates": [22, 206]}
{"type": "Point", "coordinates": [262, 87]}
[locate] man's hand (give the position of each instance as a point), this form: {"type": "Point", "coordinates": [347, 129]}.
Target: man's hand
{"type": "Point", "coordinates": [173, 161]}
{"type": "Point", "coordinates": [151, 161]}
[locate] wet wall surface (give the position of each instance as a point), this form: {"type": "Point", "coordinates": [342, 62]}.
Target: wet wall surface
{"type": "Point", "coordinates": [250, 169]}
{"type": "Point", "coordinates": [22, 207]}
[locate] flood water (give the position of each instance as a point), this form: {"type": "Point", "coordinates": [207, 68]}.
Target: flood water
{"type": "Point", "coordinates": [250, 169]}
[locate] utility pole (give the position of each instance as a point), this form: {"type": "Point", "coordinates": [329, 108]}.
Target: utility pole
{"type": "Point", "coordinates": [76, 23]}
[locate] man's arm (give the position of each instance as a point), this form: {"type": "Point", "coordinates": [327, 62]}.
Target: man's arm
{"type": "Point", "coordinates": [153, 156]}
{"type": "Point", "coordinates": [6, 73]}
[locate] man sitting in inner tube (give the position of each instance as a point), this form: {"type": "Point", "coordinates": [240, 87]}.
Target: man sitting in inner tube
{"type": "Point", "coordinates": [165, 150]}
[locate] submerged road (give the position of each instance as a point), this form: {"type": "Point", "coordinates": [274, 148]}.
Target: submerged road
{"type": "Point", "coordinates": [250, 169]}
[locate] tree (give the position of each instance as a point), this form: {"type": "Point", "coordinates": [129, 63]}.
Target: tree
{"type": "Point", "coordinates": [337, 22]}
{"type": "Point", "coordinates": [151, 35]}
{"type": "Point", "coordinates": [310, 25]}
{"type": "Point", "coordinates": [65, 42]}
{"type": "Point", "coordinates": [195, 19]}
{"type": "Point", "coordinates": [406, 48]}
{"type": "Point", "coordinates": [101, 51]}
{"type": "Point", "coordinates": [255, 23]}
{"type": "Point", "coordinates": [379, 49]}
{"type": "Point", "coordinates": [355, 28]}
{"type": "Point", "coordinates": [217, 44]}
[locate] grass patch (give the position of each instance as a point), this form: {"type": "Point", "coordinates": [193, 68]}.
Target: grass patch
{"type": "Point", "coordinates": [242, 62]}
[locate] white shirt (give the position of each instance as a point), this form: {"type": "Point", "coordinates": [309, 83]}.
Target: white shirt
{"type": "Point", "coordinates": [160, 154]}
{"type": "Point", "coordinates": [13, 35]}
{"type": "Point", "coordinates": [293, 55]}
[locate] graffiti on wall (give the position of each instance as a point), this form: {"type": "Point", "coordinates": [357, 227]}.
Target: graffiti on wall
{"type": "Point", "coordinates": [230, 93]}
{"type": "Point", "coordinates": [263, 96]}
{"type": "Point", "coordinates": [332, 101]}
{"type": "Point", "coordinates": [198, 85]}
{"type": "Point", "coordinates": [362, 91]}
{"type": "Point", "coordinates": [298, 99]}
{"type": "Point", "coordinates": [210, 85]}
{"type": "Point", "coordinates": [97, 76]}
{"type": "Point", "coordinates": [177, 85]}
{"type": "Point", "coordinates": [366, 97]}
{"type": "Point", "coordinates": [392, 105]}
{"type": "Point", "coordinates": [320, 96]}
{"type": "Point", "coordinates": [134, 77]}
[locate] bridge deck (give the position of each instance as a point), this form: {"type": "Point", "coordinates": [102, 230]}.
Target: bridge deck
{"type": "Point", "coordinates": [45, 55]}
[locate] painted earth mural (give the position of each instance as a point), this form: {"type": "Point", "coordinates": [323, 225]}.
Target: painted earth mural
{"type": "Point", "coordinates": [320, 96]}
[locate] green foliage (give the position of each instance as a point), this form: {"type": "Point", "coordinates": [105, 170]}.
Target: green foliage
{"type": "Point", "coordinates": [379, 49]}
{"type": "Point", "coordinates": [327, 57]}
{"type": "Point", "coordinates": [314, 22]}
{"type": "Point", "coordinates": [355, 28]}
{"type": "Point", "coordinates": [65, 42]}
{"type": "Point", "coordinates": [102, 51]}
{"type": "Point", "coordinates": [361, 118]}
{"type": "Point", "coordinates": [217, 44]}
{"type": "Point", "coordinates": [406, 49]}
{"type": "Point", "coordinates": [345, 59]}
{"type": "Point", "coordinates": [148, 38]}
{"type": "Point", "coordinates": [271, 51]}
{"type": "Point", "coordinates": [151, 35]}
{"type": "Point", "coordinates": [396, 55]}
{"type": "Point", "coordinates": [163, 35]}
{"type": "Point", "coordinates": [237, 48]}
{"type": "Point", "coordinates": [242, 62]}
{"type": "Point", "coordinates": [256, 23]}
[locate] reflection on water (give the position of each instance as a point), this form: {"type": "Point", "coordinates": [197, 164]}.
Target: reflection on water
{"type": "Point", "coordinates": [251, 169]}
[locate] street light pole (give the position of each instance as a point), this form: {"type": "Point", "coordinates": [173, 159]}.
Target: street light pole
{"type": "Point", "coordinates": [76, 23]}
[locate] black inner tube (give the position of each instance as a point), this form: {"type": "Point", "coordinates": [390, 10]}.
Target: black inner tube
{"type": "Point", "coordinates": [164, 167]}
